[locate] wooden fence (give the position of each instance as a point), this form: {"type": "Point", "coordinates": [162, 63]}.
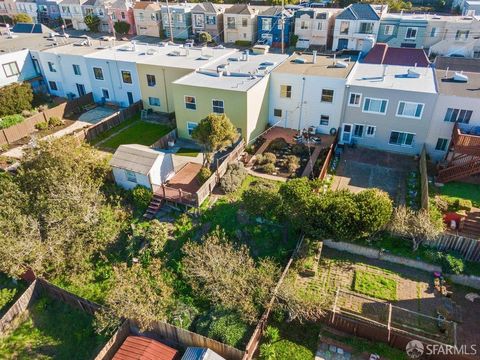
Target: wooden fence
{"type": "Point", "coordinates": [27, 127]}
{"type": "Point", "coordinates": [162, 143]}
{"type": "Point", "coordinates": [423, 179]}
{"type": "Point", "coordinates": [466, 247]}
{"type": "Point", "coordinates": [114, 343]}
{"type": "Point", "coordinates": [328, 159]}
{"type": "Point", "coordinates": [22, 304]}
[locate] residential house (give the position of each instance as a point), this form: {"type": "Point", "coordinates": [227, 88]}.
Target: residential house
{"type": "Point", "coordinates": [308, 91]}
{"type": "Point", "coordinates": [122, 10]}
{"type": "Point", "coordinates": [180, 18]}
{"type": "Point", "coordinates": [402, 30]}
{"type": "Point", "coordinates": [8, 9]}
{"type": "Point", "coordinates": [269, 26]}
{"type": "Point", "coordinates": [314, 28]}
{"type": "Point", "coordinates": [384, 54]}
{"type": "Point", "coordinates": [147, 17]}
{"type": "Point", "coordinates": [389, 107]}
{"type": "Point", "coordinates": [72, 15]}
{"type": "Point", "coordinates": [355, 24]}
{"type": "Point", "coordinates": [163, 65]}
{"type": "Point", "coordinates": [208, 17]}
{"type": "Point", "coordinates": [458, 82]}
{"type": "Point", "coordinates": [240, 24]}
{"type": "Point", "coordinates": [237, 86]}
{"type": "Point", "coordinates": [49, 12]}
{"type": "Point", "coordinates": [99, 8]}
{"type": "Point", "coordinates": [471, 8]}
{"type": "Point", "coordinates": [138, 165]}
{"type": "Point", "coordinates": [28, 7]}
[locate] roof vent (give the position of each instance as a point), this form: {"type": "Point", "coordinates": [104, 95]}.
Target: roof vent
{"type": "Point", "coordinates": [412, 73]}
{"type": "Point", "coordinates": [460, 77]}
{"type": "Point", "coordinates": [300, 61]}
{"type": "Point", "coordinates": [340, 64]}
{"type": "Point", "coordinates": [234, 59]}
{"type": "Point", "coordinates": [151, 51]}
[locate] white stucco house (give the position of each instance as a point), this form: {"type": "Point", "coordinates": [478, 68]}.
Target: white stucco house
{"type": "Point", "coordinates": [138, 165]}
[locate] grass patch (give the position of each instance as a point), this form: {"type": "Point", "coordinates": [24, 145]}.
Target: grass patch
{"type": "Point", "coordinates": [457, 190]}
{"type": "Point", "coordinates": [52, 330]}
{"type": "Point", "coordinates": [375, 285]}
{"type": "Point", "coordinates": [141, 132]}
{"type": "Point", "coordinates": [188, 152]}
{"type": "Point", "coordinates": [115, 129]}
{"type": "Point", "coordinates": [10, 291]}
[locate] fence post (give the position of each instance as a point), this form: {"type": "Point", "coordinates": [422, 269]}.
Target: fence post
{"type": "Point", "coordinates": [335, 305]}
{"type": "Point", "coordinates": [389, 321]}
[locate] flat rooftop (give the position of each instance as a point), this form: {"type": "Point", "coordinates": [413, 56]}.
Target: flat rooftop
{"type": "Point", "coordinates": [324, 66]}
{"type": "Point", "coordinates": [82, 46]}
{"type": "Point", "coordinates": [238, 72]}
{"type": "Point", "coordinates": [163, 54]}
{"type": "Point", "coordinates": [448, 86]}
{"type": "Point", "coordinates": [31, 42]}
{"type": "Point", "coordinates": [393, 77]}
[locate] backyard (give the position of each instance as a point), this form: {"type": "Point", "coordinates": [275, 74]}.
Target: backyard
{"type": "Point", "coordinates": [52, 330]}
{"type": "Point", "coordinates": [457, 190]}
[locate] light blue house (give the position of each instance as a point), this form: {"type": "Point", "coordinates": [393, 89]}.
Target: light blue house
{"type": "Point", "coordinates": [48, 12]}
{"type": "Point", "coordinates": [181, 20]}
{"type": "Point", "coordinates": [269, 26]}
{"type": "Point", "coordinates": [398, 30]}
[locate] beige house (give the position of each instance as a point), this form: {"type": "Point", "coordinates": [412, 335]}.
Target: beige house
{"type": "Point", "coordinates": [240, 23]}
{"type": "Point", "coordinates": [147, 18]}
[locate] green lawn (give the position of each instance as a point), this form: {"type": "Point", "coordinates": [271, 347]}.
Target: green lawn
{"type": "Point", "coordinates": [375, 285]}
{"type": "Point", "coordinates": [141, 132]}
{"type": "Point", "coordinates": [461, 190]}
{"type": "Point", "coordinates": [188, 152]}
{"type": "Point", "coordinates": [115, 129]}
{"type": "Point", "coordinates": [52, 330]}
{"type": "Point", "coordinates": [10, 291]}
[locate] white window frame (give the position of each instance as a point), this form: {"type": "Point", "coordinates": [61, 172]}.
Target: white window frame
{"type": "Point", "coordinates": [446, 144]}
{"type": "Point", "coordinates": [76, 66]}
{"type": "Point", "coordinates": [266, 24]}
{"type": "Point", "coordinates": [150, 102]}
{"type": "Point", "coordinates": [12, 68]}
{"type": "Point", "coordinates": [281, 113]}
{"type": "Point", "coordinates": [411, 28]}
{"type": "Point", "coordinates": [287, 96]}
{"type": "Point", "coordinates": [343, 22]}
{"type": "Point", "coordinates": [327, 118]}
{"type": "Point", "coordinates": [411, 103]}
{"type": "Point", "coordinates": [125, 72]}
{"type": "Point", "coordinates": [402, 132]}
{"type": "Point", "coordinates": [367, 132]}
{"type": "Point", "coordinates": [213, 106]}
{"type": "Point", "coordinates": [189, 127]}
{"type": "Point", "coordinates": [131, 176]}
{"type": "Point", "coordinates": [363, 131]}
{"type": "Point", "coordinates": [374, 112]}
{"type": "Point", "coordinates": [51, 66]}
{"type": "Point", "coordinates": [95, 75]}
{"type": "Point", "coordinates": [390, 29]}
{"type": "Point", "coordinates": [304, 25]}
{"type": "Point", "coordinates": [103, 93]}
{"type": "Point", "coordinates": [359, 100]}
{"type": "Point", "coordinates": [434, 32]}
{"type": "Point", "coordinates": [194, 102]}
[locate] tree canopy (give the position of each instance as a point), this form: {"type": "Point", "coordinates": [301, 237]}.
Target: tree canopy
{"type": "Point", "coordinates": [122, 27]}
{"type": "Point", "coordinates": [22, 18]}
{"type": "Point", "coordinates": [92, 22]}
{"type": "Point", "coordinates": [15, 98]}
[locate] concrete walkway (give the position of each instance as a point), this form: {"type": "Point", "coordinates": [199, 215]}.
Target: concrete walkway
{"type": "Point", "coordinates": [266, 176]}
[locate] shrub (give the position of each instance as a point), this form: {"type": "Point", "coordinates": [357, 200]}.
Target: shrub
{"type": "Point", "coordinates": [15, 98]}
{"type": "Point", "coordinates": [250, 149]}
{"type": "Point", "coordinates": [269, 158]}
{"type": "Point", "coordinates": [141, 197]}
{"type": "Point", "coordinates": [122, 27]}
{"type": "Point", "coordinates": [41, 125]}
{"type": "Point", "coordinates": [243, 43]}
{"type": "Point", "coordinates": [233, 178]}
{"type": "Point", "coordinates": [6, 296]}
{"type": "Point", "coordinates": [3, 148]}
{"type": "Point", "coordinates": [27, 113]}
{"type": "Point", "coordinates": [22, 18]}
{"type": "Point", "coordinates": [452, 264]}
{"type": "Point", "coordinates": [92, 22]}
{"type": "Point", "coordinates": [10, 120]}
{"type": "Point", "coordinates": [204, 37]}
{"type": "Point", "coordinates": [284, 349]}
{"type": "Point", "coordinates": [42, 108]}
{"type": "Point", "coordinates": [292, 163]}
{"type": "Point", "coordinates": [204, 174]}
{"type": "Point", "coordinates": [464, 204]}
{"type": "Point", "coordinates": [54, 121]}
{"type": "Point", "coordinates": [269, 168]}
{"type": "Point", "coordinates": [299, 149]}
{"type": "Point", "coordinates": [278, 144]}
{"type": "Point", "coordinates": [261, 200]}
{"type": "Point", "coordinates": [223, 326]}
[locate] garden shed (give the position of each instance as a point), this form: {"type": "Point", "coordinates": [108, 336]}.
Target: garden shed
{"type": "Point", "coordinates": [198, 353]}
{"type": "Point", "coordinates": [135, 165]}
{"type": "Point", "coordinates": [142, 348]}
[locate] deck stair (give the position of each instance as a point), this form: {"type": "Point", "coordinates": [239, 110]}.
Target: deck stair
{"type": "Point", "coordinates": [471, 224]}
{"type": "Point", "coordinates": [154, 206]}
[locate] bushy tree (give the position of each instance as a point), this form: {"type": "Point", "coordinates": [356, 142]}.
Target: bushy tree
{"type": "Point", "coordinates": [215, 132]}
{"type": "Point", "coordinates": [205, 37]}
{"type": "Point", "coordinates": [233, 178]}
{"type": "Point", "coordinates": [228, 276]}
{"type": "Point", "coordinates": [122, 27]}
{"type": "Point", "coordinates": [22, 18]}
{"type": "Point", "coordinates": [15, 98]}
{"type": "Point", "coordinates": [92, 22]}
{"type": "Point", "coordinates": [141, 197]}
{"type": "Point", "coordinates": [139, 293]}
{"type": "Point", "coordinates": [262, 200]}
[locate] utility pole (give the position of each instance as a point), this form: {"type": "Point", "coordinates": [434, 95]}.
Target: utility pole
{"type": "Point", "coordinates": [169, 22]}
{"type": "Point", "coordinates": [282, 22]}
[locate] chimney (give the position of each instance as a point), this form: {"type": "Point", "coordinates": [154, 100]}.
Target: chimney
{"type": "Point", "coordinates": [314, 59]}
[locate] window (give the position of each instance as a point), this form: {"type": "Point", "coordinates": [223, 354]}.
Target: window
{"type": "Point", "coordinates": [98, 73]}
{"type": "Point", "coordinates": [327, 95]}
{"type": "Point", "coordinates": [375, 105]}
{"type": "Point", "coordinates": [277, 112]}
{"type": "Point", "coordinates": [53, 85]}
{"type": "Point", "coordinates": [51, 67]}
{"type": "Point", "coordinates": [199, 20]}
{"type": "Point", "coordinates": [434, 32]}
{"type": "Point", "coordinates": [370, 131]}
{"type": "Point", "coordinates": [409, 109]}
{"type": "Point", "coordinates": [122, 14]}
{"type": "Point", "coordinates": [458, 115]}
{"type": "Point", "coordinates": [230, 22]}
{"type": "Point", "coordinates": [388, 29]}
{"type": "Point", "coordinates": [217, 106]}
{"type": "Point", "coordinates": [244, 22]}
{"type": "Point", "coordinates": [190, 127]}
{"type": "Point", "coordinates": [344, 27]}
{"type": "Point", "coordinates": [11, 69]}
{"type": "Point", "coordinates": [366, 28]}
{"type": "Point", "coordinates": [285, 91]}
{"type": "Point", "coordinates": [105, 94]}
{"type": "Point", "coordinates": [76, 69]}
{"type": "Point", "coordinates": [151, 81]}
{"type": "Point", "coordinates": [411, 33]}
{"type": "Point", "coordinates": [211, 20]}
{"type": "Point", "coordinates": [126, 77]}
{"type": "Point", "coordinates": [131, 176]}
{"type": "Point", "coordinates": [401, 138]}
{"type": "Point", "coordinates": [358, 130]}
{"type": "Point", "coordinates": [354, 99]}
{"type": "Point", "coordinates": [154, 101]}
{"type": "Point", "coordinates": [441, 144]}
{"type": "Point", "coordinates": [304, 25]}
{"type": "Point", "coordinates": [190, 103]}
{"type": "Point", "coordinates": [141, 17]}
{"type": "Point", "coordinates": [319, 26]}
{"type": "Point", "coordinates": [267, 24]}
{"type": "Point", "coordinates": [324, 120]}
{"type": "Point", "coordinates": [462, 34]}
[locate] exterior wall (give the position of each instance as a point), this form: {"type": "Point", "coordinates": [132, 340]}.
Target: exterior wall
{"type": "Point", "coordinates": [25, 67]}
{"type": "Point", "coordinates": [181, 22]}
{"type": "Point", "coordinates": [118, 90]}
{"type": "Point", "coordinates": [48, 12]}
{"type": "Point", "coordinates": [273, 36]}
{"type": "Point", "coordinates": [120, 176]}
{"type": "Point", "coordinates": [124, 15]}
{"type": "Point", "coordinates": [398, 37]}
{"type": "Point", "coordinates": [147, 22]}
{"type": "Point", "coordinates": [444, 40]}
{"type": "Point", "coordinates": [257, 108]}
{"type": "Point", "coordinates": [163, 89]}
{"type": "Point", "coordinates": [443, 129]}
{"type": "Point", "coordinates": [162, 169]}
{"type": "Point", "coordinates": [316, 31]}
{"type": "Point", "coordinates": [73, 12]}
{"type": "Point", "coordinates": [389, 122]}
{"type": "Point", "coordinates": [296, 116]}
{"type": "Point", "coordinates": [472, 9]}
{"type": "Point", "coordinates": [354, 37]}
{"type": "Point", "coordinates": [29, 8]}
{"type": "Point", "coordinates": [8, 7]}
{"type": "Point", "coordinates": [216, 30]}
{"type": "Point", "coordinates": [240, 33]}
{"type": "Point", "coordinates": [235, 103]}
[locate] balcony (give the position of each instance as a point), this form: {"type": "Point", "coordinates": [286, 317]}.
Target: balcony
{"type": "Point", "coordinates": [466, 138]}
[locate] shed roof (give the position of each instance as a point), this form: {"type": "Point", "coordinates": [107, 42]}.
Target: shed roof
{"type": "Point", "coordinates": [359, 11]}
{"type": "Point", "coordinates": [136, 158]}
{"type": "Point", "coordinates": [198, 353]}
{"type": "Point", "coordinates": [383, 54]}
{"type": "Point", "coordinates": [142, 348]}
